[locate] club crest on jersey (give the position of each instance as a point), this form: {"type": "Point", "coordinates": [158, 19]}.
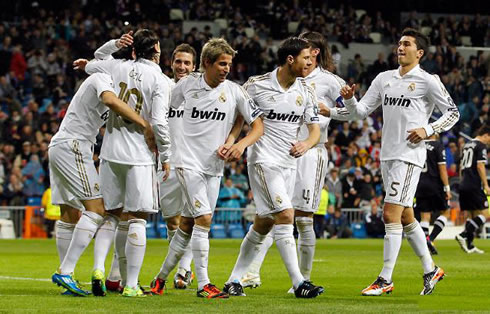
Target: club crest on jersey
{"type": "Point", "coordinates": [222, 97]}
{"type": "Point", "coordinates": [278, 200]}
{"type": "Point", "coordinates": [411, 87]}
{"type": "Point", "coordinates": [299, 101]}
{"type": "Point", "coordinates": [313, 85]}
{"type": "Point", "coordinates": [197, 204]}
{"type": "Point", "coordinates": [96, 187]}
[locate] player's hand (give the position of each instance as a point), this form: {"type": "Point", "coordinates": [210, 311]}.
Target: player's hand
{"type": "Point", "coordinates": [80, 64]}
{"type": "Point", "coordinates": [347, 92]}
{"type": "Point", "coordinates": [449, 195]}
{"type": "Point", "coordinates": [298, 149]}
{"type": "Point", "coordinates": [223, 151]}
{"type": "Point", "coordinates": [126, 40]}
{"type": "Point", "coordinates": [166, 170]}
{"type": "Point", "coordinates": [416, 135]}
{"type": "Point", "coordinates": [235, 152]}
{"type": "Point", "coordinates": [150, 137]}
{"type": "Point", "coordinates": [323, 110]}
{"type": "Point", "coordinates": [487, 190]}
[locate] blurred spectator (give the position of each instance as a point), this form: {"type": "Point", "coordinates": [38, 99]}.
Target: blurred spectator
{"type": "Point", "coordinates": [33, 177]}
{"type": "Point", "coordinates": [373, 219]}
{"type": "Point", "coordinates": [337, 225]}
{"type": "Point", "coordinates": [319, 218]}
{"type": "Point", "coordinates": [334, 187]}
{"type": "Point", "coordinates": [230, 196]}
{"type": "Point", "coordinates": [350, 190]}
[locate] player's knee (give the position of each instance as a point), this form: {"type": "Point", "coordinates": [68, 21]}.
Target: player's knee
{"type": "Point", "coordinates": [204, 220]}
{"type": "Point", "coordinates": [186, 224]}
{"type": "Point", "coordinates": [284, 217]}
{"type": "Point", "coordinates": [172, 222]}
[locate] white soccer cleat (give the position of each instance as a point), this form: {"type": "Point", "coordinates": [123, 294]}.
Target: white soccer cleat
{"type": "Point", "coordinates": [251, 280]}
{"type": "Point", "coordinates": [291, 290]}
{"type": "Point", "coordinates": [475, 250]}
{"type": "Point", "coordinates": [462, 242]}
{"type": "Point", "coordinates": [378, 287]}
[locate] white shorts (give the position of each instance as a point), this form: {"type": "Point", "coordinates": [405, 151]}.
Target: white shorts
{"type": "Point", "coordinates": [72, 173]}
{"type": "Point", "coordinates": [400, 180]}
{"type": "Point", "coordinates": [172, 200]}
{"type": "Point", "coordinates": [200, 191]}
{"type": "Point", "coordinates": [135, 188]}
{"type": "Point", "coordinates": [272, 187]}
{"type": "Point", "coordinates": [310, 177]}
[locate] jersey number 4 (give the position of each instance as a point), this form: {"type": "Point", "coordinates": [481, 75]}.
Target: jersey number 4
{"type": "Point", "coordinates": [124, 95]}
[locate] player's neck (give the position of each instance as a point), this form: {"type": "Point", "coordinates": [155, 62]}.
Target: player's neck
{"type": "Point", "coordinates": [404, 69]}
{"type": "Point", "coordinates": [211, 83]}
{"type": "Point", "coordinates": [285, 77]}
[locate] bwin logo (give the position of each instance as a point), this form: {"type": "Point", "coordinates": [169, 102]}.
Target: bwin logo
{"type": "Point", "coordinates": [283, 116]}
{"type": "Point", "coordinates": [208, 115]}
{"type": "Point", "coordinates": [396, 101]}
{"type": "Point", "coordinates": [172, 113]}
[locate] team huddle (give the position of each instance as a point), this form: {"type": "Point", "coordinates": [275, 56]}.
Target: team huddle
{"type": "Point", "coordinates": [166, 142]}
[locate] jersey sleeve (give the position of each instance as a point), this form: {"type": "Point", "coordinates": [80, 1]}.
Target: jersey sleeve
{"type": "Point", "coordinates": [481, 154]}
{"type": "Point", "coordinates": [102, 66]}
{"type": "Point", "coordinates": [246, 106]}
{"type": "Point", "coordinates": [311, 109]}
{"type": "Point", "coordinates": [358, 110]}
{"type": "Point", "coordinates": [441, 154]}
{"type": "Point", "coordinates": [102, 83]}
{"type": "Point", "coordinates": [437, 93]}
{"type": "Point", "coordinates": [178, 98]}
{"type": "Point", "coordinates": [106, 50]}
{"type": "Point", "coordinates": [159, 119]}
{"type": "Point", "coordinates": [333, 92]}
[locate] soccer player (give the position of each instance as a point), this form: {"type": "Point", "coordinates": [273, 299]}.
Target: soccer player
{"type": "Point", "coordinates": [75, 182]}
{"type": "Point", "coordinates": [433, 192]}
{"type": "Point", "coordinates": [127, 169]}
{"type": "Point", "coordinates": [408, 96]}
{"type": "Point", "coordinates": [312, 166]}
{"type": "Point", "coordinates": [288, 103]}
{"type": "Point", "coordinates": [473, 189]}
{"type": "Point", "coordinates": [211, 104]}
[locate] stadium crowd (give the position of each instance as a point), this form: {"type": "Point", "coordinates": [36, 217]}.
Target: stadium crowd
{"type": "Point", "coordinates": [37, 82]}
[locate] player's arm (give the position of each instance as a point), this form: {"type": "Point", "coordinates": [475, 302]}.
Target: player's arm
{"type": "Point", "coordinates": [444, 179]}
{"type": "Point", "coordinates": [121, 108]}
{"type": "Point", "coordinates": [106, 50]}
{"type": "Point", "coordinates": [232, 137]}
{"type": "Point", "coordinates": [311, 119]}
{"type": "Point", "coordinates": [178, 98]}
{"type": "Point", "coordinates": [482, 172]}
{"type": "Point", "coordinates": [159, 122]}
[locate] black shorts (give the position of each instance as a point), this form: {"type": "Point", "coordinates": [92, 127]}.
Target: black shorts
{"type": "Point", "coordinates": [472, 200]}
{"type": "Point", "coordinates": [429, 204]}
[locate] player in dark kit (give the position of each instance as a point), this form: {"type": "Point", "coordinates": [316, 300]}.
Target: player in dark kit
{"type": "Point", "coordinates": [474, 188]}
{"type": "Point", "coordinates": [433, 192]}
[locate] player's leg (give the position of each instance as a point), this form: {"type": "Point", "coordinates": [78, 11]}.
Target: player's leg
{"type": "Point", "coordinates": [306, 242]}
{"type": "Point", "coordinates": [183, 276]}
{"type": "Point", "coordinates": [252, 278]}
{"type": "Point", "coordinates": [478, 219]}
{"type": "Point", "coordinates": [425, 206]}
{"type": "Point", "coordinates": [425, 222]}
{"type": "Point", "coordinates": [439, 224]}
{"type": "Point", "coordinates": [113, 281]}
{"type": "Point", "coordinates": [475, 202]}
{"type": "Point", "coordinates": [64, 229]}
{"type": "Point", "coordinates": [120, 239]}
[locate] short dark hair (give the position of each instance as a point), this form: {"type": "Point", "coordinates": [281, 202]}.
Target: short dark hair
{"type": "Point", "coordinates": [144, 41]}
{"type": "Point", "coordinates": [421, 40]}
{"type": "Point", "coordinates": [484, 129]}
{"type": "Point", "coordinates": [185, 48]}
{"type": "Point", "coordinates": [291, 46]}
{"type": "Point", "coordinates": [317, 40]}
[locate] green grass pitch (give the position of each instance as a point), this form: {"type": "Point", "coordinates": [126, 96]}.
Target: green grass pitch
{"type": "Point", "coordinates": [343, 267]}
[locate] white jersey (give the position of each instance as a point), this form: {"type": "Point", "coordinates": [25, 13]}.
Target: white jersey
{"type": "Point", "coordinates": [408, 102]}
{"type": "Point", "coordinates": [284, 113]}
{"type": "Point", "coordinates": [141, 84]}
{"type": "Point", "coordinates": [327, 90]}
{"type": "Point", "coordinates": [86, 113]}
{"type": "Point", "coordinates": [209, 115]}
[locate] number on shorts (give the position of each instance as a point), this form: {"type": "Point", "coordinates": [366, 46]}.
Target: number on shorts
{"type": "Point", "coordinates": [124, 95]}
{"type": "Point", "coordinates": [393, 189]}
{"type": "Point", "coordinates": [425, 169]}
{"type": "Point", "coordinates": [467, 159]}
{"type": "Point", "coordinates": [306, 196]}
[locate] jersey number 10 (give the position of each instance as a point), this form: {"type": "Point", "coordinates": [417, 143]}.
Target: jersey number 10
{"type": "Point", "coordinates": [124, 95]}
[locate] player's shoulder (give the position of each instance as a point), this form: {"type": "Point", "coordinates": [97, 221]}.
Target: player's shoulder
{"type": "Point", "coordinates": [331, 77]}
{"type": "Point", "coordinates": [257, 79]}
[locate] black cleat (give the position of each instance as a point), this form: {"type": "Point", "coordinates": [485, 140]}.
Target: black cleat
{"type": "Point", "coordinates": [234, 289]}
{"type": "Point", "coordinates": [431, 279]}
{"type": "Point", "coordinates": [432, 248]}
{"type": "Point", "coordinates": [308, 290]}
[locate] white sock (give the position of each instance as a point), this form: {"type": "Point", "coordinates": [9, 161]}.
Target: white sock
{"type": "Point", "coordinates": [176, 249]}
{"type": "Point", "coordinates": [63, 233]}
{"type": "Point", "coordinates": [391, 248]}
{"type": "Point", "coordinates": [120, 245]}
{"type": "Point", "coordinates": [416, 238]}
{"type": "Point", "coordinates": [306, 245]}
{"type": "Point", "coordinates": [259, 259]}
{"type": "Point", "coordinates": [186, 259]}
{"type": "Point", "coordinates": [83, 233]}
{"type": "Point", "coordinates": [200, 253]}
{"type": "Point", "coordinates": [135, 250]}
{"type": "Point", "coordinates": [283, 235]}
{"type": "Point", "coordinates": [103, 241]}
{"type": "Point", "coordinates": [170, 235]}
{"type": "Point", "coordinates": [114, 273]}
{"type": "Point", "coordinates": [248, 252]}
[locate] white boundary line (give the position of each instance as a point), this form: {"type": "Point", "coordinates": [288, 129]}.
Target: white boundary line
{"type": "Point", "coordinates": [24, 278]}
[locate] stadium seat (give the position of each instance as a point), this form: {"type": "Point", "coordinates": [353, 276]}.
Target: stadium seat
{"type": "Point", "coordinates": [426, 30]}
{"type": "Point", "coordinates": [222, 23]}
{"type": "Point", "coordinates": [466, 40]}
{"type": "Point", "coordinates": [376, 37]}
{"type": "Point", "coordinates": [358, 230]}
{"type": "Point", "coordinates": [162, 230]}
{"type": "Point", "coordinates": [249, 31]}
{"type": "Point", "coordinates": [33, 201]}
{"type": "Point", "coordinates": [218, 231]}
{"type": "Point", "coordinates": [292, 27]}
{"type": "Point", "coordinates": [235, 231]}
{"type": "Point", "coordinates": [151, 233]}
{"type": "Point", "coordinates": [176, 15]}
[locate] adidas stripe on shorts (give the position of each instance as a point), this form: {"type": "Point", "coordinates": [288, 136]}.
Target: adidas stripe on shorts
{"type": "Point", "coordinates": [400, 180]}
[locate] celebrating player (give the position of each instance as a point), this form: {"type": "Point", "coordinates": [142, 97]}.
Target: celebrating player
{"type": "Point", "coordinates": [211, 104]}
{"type": "Point", "coordinates": [473, 189]}
{"type": "Point", "coordinates": [407, 96]}
{"type": "Point", "coordinates": [433, 192]}
{"type": "Point", "coordinates": [287, 102]}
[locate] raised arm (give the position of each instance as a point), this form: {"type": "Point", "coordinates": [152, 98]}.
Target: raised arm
{"type": "Point", "coordinates": [106, 50]}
